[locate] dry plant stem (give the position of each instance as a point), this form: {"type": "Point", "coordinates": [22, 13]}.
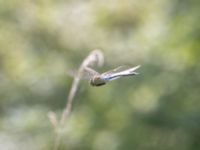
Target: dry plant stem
{"type": "Point", "coordinates": [94, 57]}
{"type": "Point", "coordinates": [72, 93]}
{"type": "Point", "coordinates": [67, 110]}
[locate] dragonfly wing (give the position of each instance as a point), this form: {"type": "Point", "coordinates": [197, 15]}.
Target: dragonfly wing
{"type": "Point", "coordinates": [119, 72]}
{"type": "Point", "coordinates": [89, 72]}
{"type": "Point", "coordinates": [127, 72]}
{"type": "Point", "coordinates": [116, 70]}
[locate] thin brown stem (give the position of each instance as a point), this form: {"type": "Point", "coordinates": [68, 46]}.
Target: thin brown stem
{"type": "Point", "coordinates": [94, 57]}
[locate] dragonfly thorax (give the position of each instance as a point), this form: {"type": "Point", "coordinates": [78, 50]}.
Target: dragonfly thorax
{"type": "Point", "coordinates": [97, 81]}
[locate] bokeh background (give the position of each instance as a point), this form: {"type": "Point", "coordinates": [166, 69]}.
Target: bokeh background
{"type": "Point", "coordinates": [41, 40]}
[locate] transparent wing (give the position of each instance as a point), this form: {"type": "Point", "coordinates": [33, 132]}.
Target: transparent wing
{"type": "Point", "coordinates": [72, 73]}
{"type": "Point", "coordinates": [119, 72]}
{"type": "Point", "coordinates": [116, 70]}
{"type": "Point", "coordinates": [88, 73]}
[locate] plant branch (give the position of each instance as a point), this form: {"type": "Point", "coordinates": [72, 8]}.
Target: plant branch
{"type": "Point", "coordinates": [95, 57]}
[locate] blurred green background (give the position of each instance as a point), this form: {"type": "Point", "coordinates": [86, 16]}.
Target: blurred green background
{"type": "Point", "coordinates": [41, 40]}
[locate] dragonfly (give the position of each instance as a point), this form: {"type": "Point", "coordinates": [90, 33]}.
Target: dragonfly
{"type": "Point", "coordinates": [98, 79]}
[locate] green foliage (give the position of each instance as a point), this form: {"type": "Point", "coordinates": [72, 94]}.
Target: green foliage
{"type": "Point", "coordinates": [42, 40]}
